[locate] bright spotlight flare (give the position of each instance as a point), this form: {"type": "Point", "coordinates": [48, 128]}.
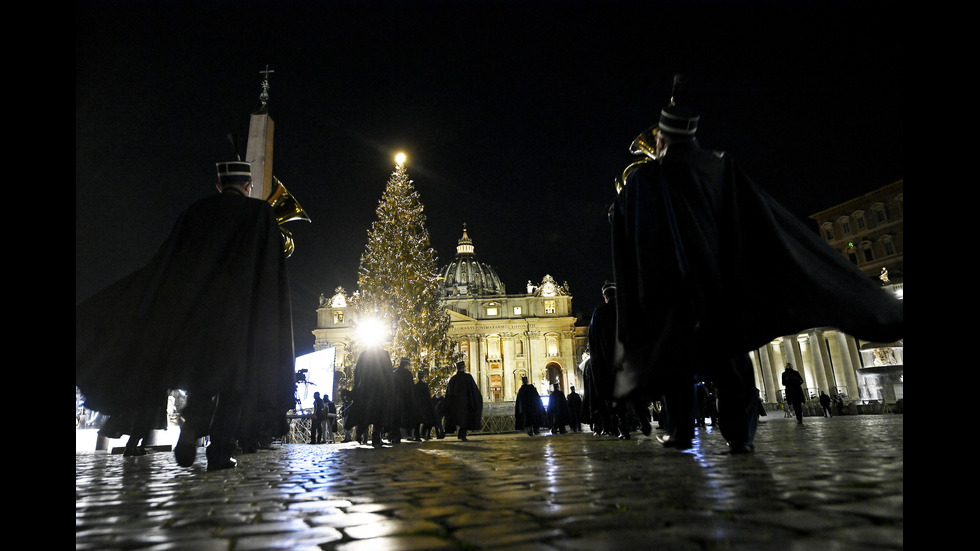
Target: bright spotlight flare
{"type": "Point", "coordinates": [371, 333]}
{"type": "Point", "coordinates": [400, 159]}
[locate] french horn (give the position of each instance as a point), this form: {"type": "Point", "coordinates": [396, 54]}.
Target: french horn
{"type": "Point", "coordinates": [644, 144]}
{"type": "Point", "coordinates": [286, 209]}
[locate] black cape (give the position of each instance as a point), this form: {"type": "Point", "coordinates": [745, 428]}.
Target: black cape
{"type": "Point", "coordinates": [209, 313]}
{"type": "Point", "coordinates": [602, 353]}
{"type": "Point", "coordinates": [372, 392]}
{"type": "Point", "coordinates": [557, 410]}
{"type": "Point", "coordinates": [424, 404]}
{"type": "Point", "coordinates": [528, 409]}
{"type": "Point", "coordinates": [464, 403]}
{"type": "Point", "coordinates": [703, 256]}
{"type": "Point", "coordinates": [404, 411]}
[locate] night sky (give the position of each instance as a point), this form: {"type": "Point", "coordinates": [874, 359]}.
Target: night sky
{"type": "Point", "coordinates": [516, 118]}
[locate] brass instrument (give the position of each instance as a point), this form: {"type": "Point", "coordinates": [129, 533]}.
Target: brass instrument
{"type": "Point", "coordinates": [644, 144]}
{"type": "Point", "coordinates": [286, 209]}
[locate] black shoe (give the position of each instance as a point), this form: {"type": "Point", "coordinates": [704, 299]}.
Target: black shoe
{"type": "Point", "coordinates": [185, 451]}
{"type": "Point", "coordinates": [222, 463]}
{"type": "Point", "coordinates": [737, 448]}
{"type": "Point", "coordinates": [675, 443]}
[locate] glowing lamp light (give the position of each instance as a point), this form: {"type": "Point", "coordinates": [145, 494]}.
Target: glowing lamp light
{"type": "Point", "coordinates": [371, 332]}
{"type": "Point", "coordinates": [400, 159]}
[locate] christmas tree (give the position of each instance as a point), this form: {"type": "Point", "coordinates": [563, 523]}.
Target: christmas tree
{"type": "Point", "coordinates": [398, 283]}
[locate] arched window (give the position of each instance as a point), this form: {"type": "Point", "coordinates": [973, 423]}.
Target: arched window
{"type": "Point", "coordinates": [493, 347]}
{"type": "Point", "coordinates": [551, 345]}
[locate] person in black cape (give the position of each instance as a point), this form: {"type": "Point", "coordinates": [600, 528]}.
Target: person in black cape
{"type": "Point", "coordinates": [464, 403]}
{"type": "Point", "coordinates": [425, 407]}
{"type": "Point", "coordinates": [372, 395]}
{"type": "Point", "coordinates": [612, 415]}
{"type": "Point", "coordinates": [557, 410]}
{"type": "Point", "coordinates": [529, 413]}
{"type": "Point", "coordinates": [208, 314]}
{"type": "Point", "coordinates": [709, 267]}
{"type": "Point", "coordinates": [574, 400]}
{"type": "Point", "coordinates": [404, 414]}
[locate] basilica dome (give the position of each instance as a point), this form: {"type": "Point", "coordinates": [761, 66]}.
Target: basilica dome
{"type": "Point", "coordinates": [467, 276]}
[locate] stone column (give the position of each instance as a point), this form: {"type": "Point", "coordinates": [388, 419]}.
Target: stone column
{"type": "Point", "coordinates": [818, 354]}
{"type": "Point", "coordinates": [769, 385]}
{"type": "Point", "coordinates": [851, 362]}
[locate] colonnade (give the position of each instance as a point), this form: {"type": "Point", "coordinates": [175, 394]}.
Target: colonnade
{"type": "Point", "coordinates": [827, 358]}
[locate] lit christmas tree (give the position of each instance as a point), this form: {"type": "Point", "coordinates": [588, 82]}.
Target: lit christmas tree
{"type": "Point", "coordinates": [398, 283]}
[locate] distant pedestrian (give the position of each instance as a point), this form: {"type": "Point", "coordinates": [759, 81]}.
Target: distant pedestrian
{"type": "Point", "coordinates": [464, 403]}
{"type": "Point", "coordinates": [793, 382]}
{"type": "Point", "coordinates": [317, 419]}
{"type": "Point", "coordinates": [404, 415]}
{"type": "Point", "coordinates": [439, 404]}
{"type": "Point", "coordinates": [574, 400]}
{"type": "Point", "coordinates": [825, 404]}
{"type": "Point", "coordinates": [839, 401]}
{"type": "Point", "coordinates": [345, 408]}
{"type": "Point", "coordinates": [329, 419]}
{"type": "Point", "coordinates": [557, 411]}
{"type": "Point", "coordinates": [528, 409]}
{"type": "Point", "coordinates": [425, 407]}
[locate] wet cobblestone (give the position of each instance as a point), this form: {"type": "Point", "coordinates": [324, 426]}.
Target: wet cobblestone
{"type": "Point", "coordinates": [831, 484]}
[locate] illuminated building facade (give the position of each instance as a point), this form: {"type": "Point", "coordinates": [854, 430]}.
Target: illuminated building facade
{"type": "Point", "coordinates": [501, 337]}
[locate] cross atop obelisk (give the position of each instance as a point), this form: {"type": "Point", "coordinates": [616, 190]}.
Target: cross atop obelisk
{"type": "Point", "coordinates": [259, 147]}
{"type": "Point", "coordinates": [264, 96]}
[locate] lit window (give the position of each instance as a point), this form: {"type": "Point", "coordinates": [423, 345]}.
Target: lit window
{"type": "Point", "coordinates": [493, 346]}
{"type": "Point", "coordinates": [491, 310]}
{"type": "Point", "coordinates": [549, 307]}
{"type": "Point", "coordinates": [517, 311]}
{"type": "Point", "coordinates": [338, 318]}
{"type": "Point", "coordinates": [551, 343]}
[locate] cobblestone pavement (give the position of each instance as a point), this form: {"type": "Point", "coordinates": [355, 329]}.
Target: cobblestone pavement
{"type": "Point", "coordinates": [831, 484]}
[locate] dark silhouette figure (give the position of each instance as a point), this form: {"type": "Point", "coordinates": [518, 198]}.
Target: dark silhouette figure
{"type": "Point", "coordinates": [425, 406]}
{"type": "Point", "coordinates": [698, 252]}
{"type": "Point", "coordinates": [330, 419]}
{"type": "Point", "coordinates": [372, 395]}
{"type": "Point", "coordinates": [793, 382]}
{"type": "Point", "coordinates": [464, 403]}
{"type": "Point", "coordinates": [439, 404]}
{"type": "Point", "coordinates": [208, 314]}
{"type": "Point", "coordinates": [707, 408]}
{"type": "Point", "coordinates": [404, 415]}
{"type": "Point", "coordinates": [528, 409]}
{"type": "Point", "coordinates": [345, 408]}
{"type": "Point", "coordinates": [318, 419]}
{"type": "Point", "coordinates": [601, 374]}
{"type": "Point", "coordinates": [617, 416]}
{"type": "Point", "coordinates": [557, 411]}
{"type": "Point", "coordinates": [825, 404]}
{"type": "Point", "coordinates": [574, 400]}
